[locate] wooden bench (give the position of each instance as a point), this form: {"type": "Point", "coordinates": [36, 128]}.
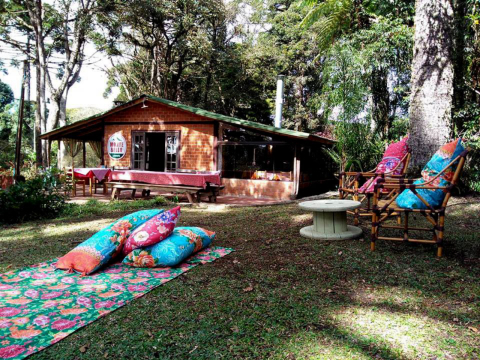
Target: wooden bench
{"type": "Point", "coordinates": [193, 193]}
{"type": "Point", "coordinates": [212, 191]}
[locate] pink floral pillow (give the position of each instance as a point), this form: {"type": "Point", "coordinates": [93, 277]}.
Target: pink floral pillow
{"type": "Point", "coordinates": [392, 157]}
{"type": "Point", "coordinates": [153, 231]}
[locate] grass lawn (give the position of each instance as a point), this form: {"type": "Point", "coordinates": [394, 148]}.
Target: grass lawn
{"type": "Point", "coordinates": [280, 296]}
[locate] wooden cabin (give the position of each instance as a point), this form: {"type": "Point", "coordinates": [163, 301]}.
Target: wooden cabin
{"type": "Point", "coordinates": [256, 160]}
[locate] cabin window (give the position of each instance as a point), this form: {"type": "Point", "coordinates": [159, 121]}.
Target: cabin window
{"type": "Point", "coordinates": [258, 161]}
{"type": "Point", "coordinates": [172, 156]}
{"type": "Point", "coordinates": [138, 151]}
{"type": "Point", "coordinates": [317, 165]}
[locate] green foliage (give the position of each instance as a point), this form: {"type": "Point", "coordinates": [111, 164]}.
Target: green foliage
{"type": "Point", "coordinates": [466, 111]}
{"type": "Point", "coordinates": [331, 17]}
{"type": "Point", "coordinates": [361, 124]}
{"type": "Point", "coordinates": [181, 50]}
{"type": "Point", "coordinates": [6, 95]}
{"type": "Point", "coordinates": [357, 64]}
{"type": "Point", "coordinates": [470, 132]}
{"type": "Point", "coordinates": [357, 148]}
{"type": "Point", "coordinates": [286, 49]}
{"type": "Point", "coordinates": [8, 132]}
{"type": "Point", "coordinates": [39, 197]}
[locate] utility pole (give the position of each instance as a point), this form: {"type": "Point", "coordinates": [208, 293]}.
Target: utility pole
{"type": "Point", "coordinates": [20, 124]}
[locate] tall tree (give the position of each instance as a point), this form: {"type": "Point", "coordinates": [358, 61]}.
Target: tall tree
{"type": "Point", "coordinates": [432, 79]}
{"type": "Point", "coordinates": [59, 31]}
{"type": "Point", "coordinates": [73, 21]}
{"type": "Point", "coordinates": [163, 39]}
{"type": "Point", "coordinates": [341, 20]}
{"type": "Point", "coordinates": [184, 51]}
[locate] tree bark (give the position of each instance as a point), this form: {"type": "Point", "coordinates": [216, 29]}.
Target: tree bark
{"type": "Point", "coordinates": [38, 115]}
{"type": "Point", "coordinates": [62, 121]}
{"type": "Point", "coordinates": [432, 79]}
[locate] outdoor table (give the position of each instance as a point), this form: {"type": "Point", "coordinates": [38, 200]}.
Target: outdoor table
{"type": "Point", "coordinates": [166, 178]}
{"type": "Point", "coordinates": [91, 174]}
{"type": "Point", "coordinates": [330, 220]}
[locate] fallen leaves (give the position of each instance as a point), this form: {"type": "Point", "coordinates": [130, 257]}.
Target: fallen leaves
{"type": "Point", "coordinates": [248, 288]}
{"type": "Point", "coordinates": [474, 329]}
{"type": "Point", "coordinates": [84, 348]}
{"type": "Point", "coordinates": [235, 329]}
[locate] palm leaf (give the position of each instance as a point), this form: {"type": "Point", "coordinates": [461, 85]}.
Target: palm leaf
{"type": "Point", "coordinates": [329, 18]}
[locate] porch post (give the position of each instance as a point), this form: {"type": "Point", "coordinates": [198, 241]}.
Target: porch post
{"type": "Point", "coordinates": [102, 154]}
{"type": "Point", "coordinates": [215, 146]}
{"type": "Point", "coordinates": [49, 150]}
{"type": "Point", "coordinates": [74, 189]}
{"type": "Point", "coordinates": [296, 171]}
{"type": "Point", "coordinates": [59, 144]}
{"type": "Point", "coordinates": [84, 155]}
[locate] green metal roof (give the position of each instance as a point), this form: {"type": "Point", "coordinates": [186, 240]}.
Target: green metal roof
{"type": "Point", "coordinates": [197, 111]}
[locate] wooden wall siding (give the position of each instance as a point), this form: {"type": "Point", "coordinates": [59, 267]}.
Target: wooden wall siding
{"type": "Point", "coordinates": [196, 139]}
{"type": "Point", "coordinates": [281, 190]}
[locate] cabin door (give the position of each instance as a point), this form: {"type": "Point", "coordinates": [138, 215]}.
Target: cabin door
{"type": "Point", "coordinates": [155, 151]}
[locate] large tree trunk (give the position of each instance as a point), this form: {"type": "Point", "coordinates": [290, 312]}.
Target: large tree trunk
{"type": "Point", "coordinates": [432, 79]}
{"type": "Point", "coordinates": [53, 118]}
{"type": "Point", "coordinates": [38, 115]}
{"type": "Point", "coordinates": [62, 121]}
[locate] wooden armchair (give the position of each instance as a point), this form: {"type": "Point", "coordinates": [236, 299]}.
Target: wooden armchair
{"type": "Point", "coordinates": [351, 181]}
{"type": "Point", "coordinates": [72, 182]}
{"type": "Point", "coordinates": [383, 209]}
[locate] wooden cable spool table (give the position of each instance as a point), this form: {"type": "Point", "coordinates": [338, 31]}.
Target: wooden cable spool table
{"type": "Point", "coordinates": [330, 220]}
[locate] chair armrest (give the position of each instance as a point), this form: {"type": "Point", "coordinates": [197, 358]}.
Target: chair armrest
{"type": "Point", "coordinates": [409, 186]}
{"type": "Point", "coordinates": [359, 173]}
{"type": "Point", "coordinates": [399, 179]}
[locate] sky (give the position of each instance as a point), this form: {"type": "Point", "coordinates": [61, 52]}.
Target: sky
{"type": "Point", "coordinates": [86, 93]}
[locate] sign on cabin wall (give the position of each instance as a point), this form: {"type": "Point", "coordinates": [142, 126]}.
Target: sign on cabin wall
{"type": "Point", "coordinates": [117, 146]}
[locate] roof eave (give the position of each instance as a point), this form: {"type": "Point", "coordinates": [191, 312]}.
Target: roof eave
{"type": "Point", "coordinates": [222, 118]}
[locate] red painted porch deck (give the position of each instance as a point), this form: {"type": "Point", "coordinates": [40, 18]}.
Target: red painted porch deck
{"type": "Point", "coordinates": [221, 200]}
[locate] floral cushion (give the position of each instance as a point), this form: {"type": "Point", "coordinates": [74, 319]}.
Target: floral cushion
{"type": "Point", "coordinates": [153, 231]}
{"type": "Point", "coordinates": [408, 200]}
{"type": "Point", "coordinates": [98, 250]}
{"type": "Point", "coordinates": [183, 242]}
{"type": "Point", "coordinates": [391, 158]}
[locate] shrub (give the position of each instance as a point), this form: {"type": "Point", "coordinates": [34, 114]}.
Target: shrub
{"type": "Point", "coordinates": [39, 197]}
{"type": "Point", "coordinates": [467, 127]}
{"type": "Point", "coordinates": [357, 148]}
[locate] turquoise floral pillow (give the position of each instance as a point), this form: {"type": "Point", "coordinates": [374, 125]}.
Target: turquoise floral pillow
{"type": "Point", "coordinates": [183, 242]}
{"type": "Point", "coordinates": [98, 250]}
{"type": "Point", "coordinates": [408, 200]}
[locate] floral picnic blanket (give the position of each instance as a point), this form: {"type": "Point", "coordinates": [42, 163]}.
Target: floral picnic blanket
{"type": "Point", "coordinates": [40, 306]}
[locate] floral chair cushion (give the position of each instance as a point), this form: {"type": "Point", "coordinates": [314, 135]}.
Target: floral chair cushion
{"type": "Point", "coordinates": [183, 242]}
{"type": "Point", "coordinates": [153, 231]}
{"type": "Point", "coordinates": [408, 200]}
{"type": "Point", "coordinates": [98, 250]}
{"type": "Point", "coordinates": [392, 157]}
